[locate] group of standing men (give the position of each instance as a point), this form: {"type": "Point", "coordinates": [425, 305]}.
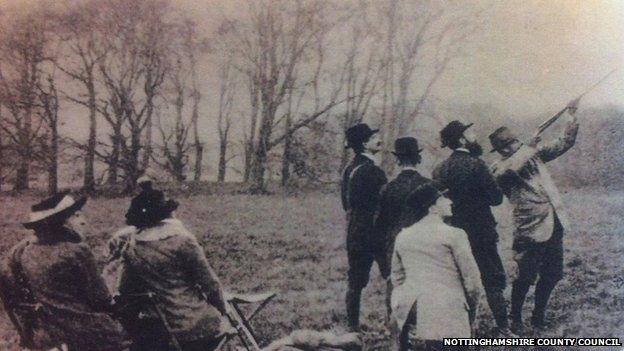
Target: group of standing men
{"type": "Point", "coordinates": [376, 212]}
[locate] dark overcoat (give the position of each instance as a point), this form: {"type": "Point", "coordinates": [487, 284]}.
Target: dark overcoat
{"type": "Point", "coordinates": [361, 185]}
{"type": "Point", "coordinates": [389, 221]}
{"type": "Point", "coordinates": [473, 189]}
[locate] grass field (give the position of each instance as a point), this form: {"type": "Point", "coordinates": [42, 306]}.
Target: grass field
{"type": "Point", "coordinates": [295, 245]}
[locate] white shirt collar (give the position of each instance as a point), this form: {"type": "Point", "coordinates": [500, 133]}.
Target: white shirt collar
{"type": "Point", "coordinates": [462, 149]}
{"type": "Point", "coordinates": [408, 168]}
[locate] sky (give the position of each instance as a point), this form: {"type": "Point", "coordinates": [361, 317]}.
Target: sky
{"type": "Point", "coordinates": [529, 57]}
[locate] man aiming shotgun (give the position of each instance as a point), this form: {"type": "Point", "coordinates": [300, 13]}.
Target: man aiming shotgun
{"type": "Point", "coordinates": [537, 212]}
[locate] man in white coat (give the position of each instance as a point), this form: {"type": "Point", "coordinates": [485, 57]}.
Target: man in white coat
{"type": "Point", "coordinates": [436, 279]}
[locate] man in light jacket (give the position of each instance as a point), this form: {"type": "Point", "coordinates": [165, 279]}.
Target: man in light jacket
{"type": "Point", "coordinates": [436, 279]}
{"type": "Point", "coordinates": [537, 214]}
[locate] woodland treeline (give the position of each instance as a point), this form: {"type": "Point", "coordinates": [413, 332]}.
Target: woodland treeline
{"type": "Point", "coordinates": [276, 83]}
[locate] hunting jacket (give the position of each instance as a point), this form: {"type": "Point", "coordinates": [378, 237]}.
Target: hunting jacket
{"type": "Point", "coordinates": [74, 306]}
{"type": "Point", "coordinates": [168, 261]}
{"type": "Point", "coordinates": [527, 184]}
{"type": "Point", "coordinates": [471, 187]}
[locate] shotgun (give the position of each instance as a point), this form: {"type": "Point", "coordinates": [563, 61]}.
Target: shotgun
{"type": "Point", "coordinates": [547, 123]}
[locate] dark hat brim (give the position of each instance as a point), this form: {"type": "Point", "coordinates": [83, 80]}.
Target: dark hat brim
{"type": "Point", "coordinates": [77, 206]}
{"type": "Point", "coordinates": [463, 129]}
{"type": "Point", "coordinates": [496, 149]}
{"type": "Point", "coordinates": [418, 151]}
{"type": "Point", "coordinates": [370, 134]}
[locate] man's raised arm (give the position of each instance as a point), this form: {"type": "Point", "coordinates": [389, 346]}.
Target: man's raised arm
{"type": "Point", "coordinates": [551, 151]}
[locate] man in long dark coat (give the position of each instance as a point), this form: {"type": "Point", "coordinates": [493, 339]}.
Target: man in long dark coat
{"type": "Point", "coordinates": [392, 200]}
{"type": "Point", "coordinates": [362, 181]}
{"type": "Point", "coordinates": [473, 189]}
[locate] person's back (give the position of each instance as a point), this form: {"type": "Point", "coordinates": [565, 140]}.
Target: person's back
{"type": "Point", "coordinates": [166, 260]}
{"type": "Point", "coordinates": [392, 201]}
{"type": "Point", "coordinates": [435, 277]}
{"type": "Point", "coordinates": [471, 187]}
{"type": "Point", "coordinates": [428, 245]}
{"type": "Point", "coordinates": [74, 303]}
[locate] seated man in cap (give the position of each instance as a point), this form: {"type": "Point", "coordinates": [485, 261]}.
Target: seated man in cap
{"type": "Point", "coordinates": [361, 183]}
{"type": "Point", "coordinates": [436, 280]}
{"type": "Point", "coordinates": [388, 223]}
{"type": "Point", "coordinates": [473, 190]}
{"type": "Point", "coordinates": [537, 213]}
{"type": "Point", "coordinates": [51, 287]}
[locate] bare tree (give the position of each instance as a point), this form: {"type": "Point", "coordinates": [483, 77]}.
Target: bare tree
{"type": "Point", "coordinates": [48, 108]}
{"type": "Point", "coordinates": [81, 30]}
{"type": "Point", "coordinates": [278, 38]}
{"type": "Point", "coordinates": [224, 121]}
{"type": "Point", "coordinates": [23, 49]}
{"type": "Point", "coordinates": [362, 68]}
{"type": "Point", "coordinates": [133, 73]}
{"type": "Point", "coordinates": [422, 38]}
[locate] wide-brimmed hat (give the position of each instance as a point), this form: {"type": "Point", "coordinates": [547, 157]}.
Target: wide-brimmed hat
{"type": "Point", "coordinates": [358, 134]}
{"type": "Point", "coordinates": [61, 205]}
{"type": "Point", "coordinates": [149, 207]}
{"type": "Point", "coordinates": [501, 138]}
{"type": "Point", "coordinates": [406, 146]}
{"type": "Point", "coordinates": [452, 132]}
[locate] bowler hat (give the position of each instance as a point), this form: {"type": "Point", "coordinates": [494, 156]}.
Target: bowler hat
{"type": "Point", "coordinates": [58, 206]}
{"type": "Point", "coordinates": [501, 137]}
{"type": "Point", "coordinates": [452, 132]}
{"type": "Point", "coordinates": [358, 134]}
{"type": "Point", "coordinates": [406, 146]}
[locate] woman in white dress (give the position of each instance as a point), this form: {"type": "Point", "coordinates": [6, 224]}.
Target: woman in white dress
{"type": "Point", "coordinates": [437, 281]}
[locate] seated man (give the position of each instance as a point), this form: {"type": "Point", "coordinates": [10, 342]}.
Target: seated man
{"type": "Point", "coordinates": [51, 287]}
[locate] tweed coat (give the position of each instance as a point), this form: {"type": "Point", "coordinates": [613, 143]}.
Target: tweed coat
{"type": "Point", "coordinates": [168, 261]}
{"type": "Point", "coordinates": [63, 278]}
{"type": "Point", "coordinates": [433, 267]}
{"type": "Point", "coordinates": [388, 222]}
{"type": "Point", "coordinates": [472, 188]}
{"type": "Point", "coordinates": [530, 189]}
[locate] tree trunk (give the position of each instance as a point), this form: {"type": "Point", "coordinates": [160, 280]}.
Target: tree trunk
{"type": "Point", "coordinates": [222, 159]}
{"type": "Point", "coordinates": [89, 170]}
{"type": "Point", "coordinates": [286, 156]}
{"type": "Point", "coordinates": [132, 166]}
{"type": "Point", "coordinates": [147, 154]}
{"type": "Point", "coordinates": [23, 170]}
{"type": "Point", "coordinates": [258, 168]}
{"type": "Point", "coordinates": [53, 163]}
{"type": "Point", "coordinates": [199, 154]}
{"type": "Point", "coordinates": [113, 166]}
{"type": "Point", "coordinates": [344, 156]}
{"type": "Point", "coordinates": [248, 159]}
